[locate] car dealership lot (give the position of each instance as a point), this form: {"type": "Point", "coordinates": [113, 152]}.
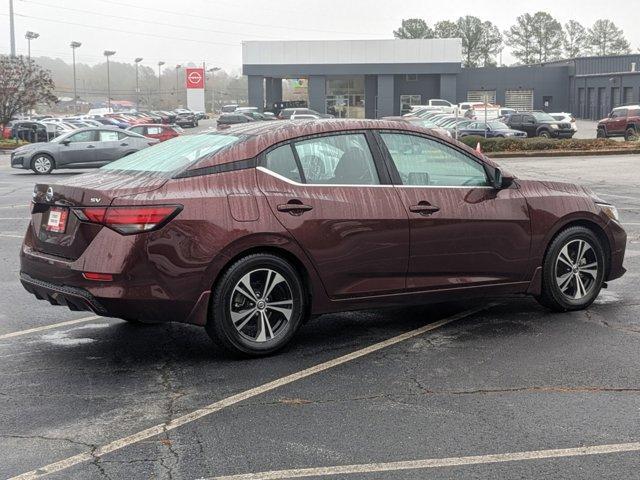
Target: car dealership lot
{"type": "Point", "coordinates": [507, 376]}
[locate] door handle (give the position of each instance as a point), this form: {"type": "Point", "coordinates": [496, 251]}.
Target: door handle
{"type": "Point", "coordinates": [424, 208]}
{"type": "Point", "coordinates": [124, 144]}
{"type": "Point", "coordinates": [91, 146]}
{"type": "Point", "coordinates": [294, 207]}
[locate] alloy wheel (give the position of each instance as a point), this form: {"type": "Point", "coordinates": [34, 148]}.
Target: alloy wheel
{"type": "Point", "coordinates": [261, 305]}
{"type": "Point", "coordinates": [42, 164]}
{"type": "Point", "coordinates": [576, 269]}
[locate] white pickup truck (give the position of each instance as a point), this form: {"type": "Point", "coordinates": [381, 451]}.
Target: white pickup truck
{"type": "Point", "coordinates": [437, 103]}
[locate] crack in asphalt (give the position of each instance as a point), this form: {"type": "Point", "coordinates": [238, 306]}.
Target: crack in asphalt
{"type": "Point", "coordinates": [614, 326]}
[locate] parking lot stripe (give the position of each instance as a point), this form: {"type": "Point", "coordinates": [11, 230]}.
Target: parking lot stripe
{"type": "Point", "coordinates": [94, 454]}
{"type": "Point", "coordinates": [6, 235]}
{"type": "Point", "coordinates": [47, 327]}
{"type": "Point", "coordinates": [15, 218]}
{"type": "Point", "coordinates": [436, 462]}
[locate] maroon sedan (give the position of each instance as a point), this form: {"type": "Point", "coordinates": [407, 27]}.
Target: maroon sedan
{"type": "Point", "coordinates": [252, 230]}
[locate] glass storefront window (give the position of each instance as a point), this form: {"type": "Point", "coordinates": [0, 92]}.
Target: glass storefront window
{"type": "Point", "coordinates": [345, 97]}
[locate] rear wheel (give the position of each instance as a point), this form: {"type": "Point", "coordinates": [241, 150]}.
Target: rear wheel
{"type": "Point", "coordinates": [257, 306]}
{"type": "Point", "coordinates": [573, 270]}
{"type": "Point", "coordinates": [630, 134]}
{"type": "Point", "coordinates": [42, 164]}
{"type": "Point", "coordinates": [601, 133]}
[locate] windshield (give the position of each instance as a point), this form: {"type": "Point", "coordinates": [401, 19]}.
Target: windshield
{"type": "Point", "coordinates": [498, 126]}
{"type": "Point", "coordinates": [542, 117]}
{"type": "Point", "coordinates": [173, 154]}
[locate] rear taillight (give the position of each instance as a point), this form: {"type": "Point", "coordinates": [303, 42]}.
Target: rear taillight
{"type": "Point", "coordinates": [129, 220]}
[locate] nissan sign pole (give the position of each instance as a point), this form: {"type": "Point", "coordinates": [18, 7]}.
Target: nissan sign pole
{"type": "Point", "coordinates": [194, 83]}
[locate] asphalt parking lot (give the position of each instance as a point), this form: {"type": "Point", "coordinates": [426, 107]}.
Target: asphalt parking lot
{"type": "Point", "coordinates": [495, 389]}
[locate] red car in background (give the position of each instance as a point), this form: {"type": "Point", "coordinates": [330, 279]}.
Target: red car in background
{"type": "Point", "coordinates": [157, 130]}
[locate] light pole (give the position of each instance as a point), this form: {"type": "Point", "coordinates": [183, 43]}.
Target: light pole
{"type": "Point", "coordinates": [108, 53]}
{"type": "Point", "coordinates": [73, 46]}
{"type": "Point", "coordinates": [160, 63]}
{"type": "Point", "coordinates": [12, 32]}
{"type": "Point", "coordinates": [213, 70]}
{"type": "Point", "coordinates": [137, 61]}
{"type": "Point", "coordinates": [178, 67]}
{"type": "Point", "coordinates": [30, 36]}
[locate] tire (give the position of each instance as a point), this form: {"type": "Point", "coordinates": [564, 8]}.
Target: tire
{"type": "Point", "coordinates": [560, 274]}
{"type": "Point", "coordinates": [630, 134]}
{"type": "Point", "coordinates": [244, 324]}
{"type": "Point", "coordinates": [42, 164]}
{"type": "Point", "coordinates": [544, 134]}
{"type": "Point", "coordinates": [601, 133]}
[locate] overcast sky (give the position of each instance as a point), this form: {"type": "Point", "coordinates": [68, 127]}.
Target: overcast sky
{"type": "Point", "coordinates": [177, 31]}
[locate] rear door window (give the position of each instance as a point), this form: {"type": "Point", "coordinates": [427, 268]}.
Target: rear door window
{"type": "Point", "coordinates": [282, 161]}
{"type": "Point", "coordinates": [337, 159]}
{"type": "Point", "coordinates": [108, 136]}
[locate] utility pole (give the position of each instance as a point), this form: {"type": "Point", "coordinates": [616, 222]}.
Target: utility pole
{"type": "Point", "coordinates": [108, 53]}
{"type": "Point", "coordinates": [12, 31]}
{"type": "Point", "coordinates": [137, 61]}
{"type": "Point", "coordinates": [178, 66]}
{"type": "Point", "coordinates": [30, 36]}
{"type": "Point", "coordinates": [73, 46]}
{"type": "Point", "coordinates": [213, 86]}
{"type": "Point", "coordinates": [160, 63]}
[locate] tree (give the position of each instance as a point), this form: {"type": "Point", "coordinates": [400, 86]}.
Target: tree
{"type": "Point", "coordinates": [481, 41]}
{"type": "Point", "coordinates": [605, 38]}
{"type": "Point", "coordinates": [575, 39]}
{"type": "Point", "coordinates": [413, 28]}
{"type": "Point", "coordinates": [446, 29]}
{"type": "Point", "coordinates": [23, 85]}
{"type": "Point", "coordinates": [535, 38]}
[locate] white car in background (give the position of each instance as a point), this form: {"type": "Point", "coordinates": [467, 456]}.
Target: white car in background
{"type": "Point", "coordinates": [566, 118]}
{"type": "Point", "coordinates": [304, 116]}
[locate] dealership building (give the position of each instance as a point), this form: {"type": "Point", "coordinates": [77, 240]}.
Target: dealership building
{"type": "Point", "coordinates": [376, 78]}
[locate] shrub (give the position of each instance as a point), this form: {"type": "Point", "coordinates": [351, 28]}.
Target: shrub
{"type": "Point", "coordinates": [536, 144]}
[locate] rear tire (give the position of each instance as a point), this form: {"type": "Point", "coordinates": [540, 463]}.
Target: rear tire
{"type": "Point", "coordinates": [601, 133]}
{"type": "Point", "coordinates": [573, 270]}
{"type": "Point", "coordinates": [42, 164]}
{"type": "Point", "coordinates": [257, 306]}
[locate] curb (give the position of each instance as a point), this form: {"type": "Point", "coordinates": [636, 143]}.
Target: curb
{"type": "Point", "coordinates": [562, 153]}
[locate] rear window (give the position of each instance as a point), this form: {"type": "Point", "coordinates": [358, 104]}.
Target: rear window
{"type": "Point", "coordinates": [173, 154]}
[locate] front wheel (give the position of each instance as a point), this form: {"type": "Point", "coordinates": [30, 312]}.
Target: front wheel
{"type": "Point", "coordinates": [630, 134]}
{"type": "Point", "coordinates": [42, 164]}
{"type": "Point", "coordinates": [573, 270]}
{"type": "Point", "coordinates": [545, 134]}
{"type": "Point", "coordinates": [257, 306]}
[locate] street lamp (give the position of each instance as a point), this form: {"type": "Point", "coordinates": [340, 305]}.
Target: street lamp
{"type": "Point", "coordinates": [178, 67]}
{"type": "Point", "coordinates": [108, 53]}
{"type": "Point", "coordinates": [30, 36]}
{"type": "Point", "coordinates": [213, 70]}
{"type": "Point", "coordinates": [137, 61]}
{"type": "Point", "coordinates": [73, 46]}
{"type": "Point", "coordinates": [160, 63]}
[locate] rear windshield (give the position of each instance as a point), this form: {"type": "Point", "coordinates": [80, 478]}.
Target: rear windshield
{"type": "Point", "coordinates": [173, 154]}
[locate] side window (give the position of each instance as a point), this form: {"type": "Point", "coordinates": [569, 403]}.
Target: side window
{"type": "Point", "coordinates": [515, 118]}
{"type": "Point", "coordinates": [108, 136]}
{"type": "Point", "coordinates": [281, 161]}
{"type": "Point", "coordinates": [425, 162]}
{"type": "Point", "coordinates": [85, 136]}
{"type": "Point", "coordinates": [122, 136]}
{"type": "Point", "coordinates": [528, 119]}
{"type": "Point", "coordinates": [154, 130]}
{"type": "Point", "coordinates": [337, 159]}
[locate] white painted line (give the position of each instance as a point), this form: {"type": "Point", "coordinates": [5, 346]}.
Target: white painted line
{"type": "Point", "coordinates": [436, 462]}
{"type": "Point", "coordinates": [47, 327]}
{"type": "Point", "coordinates": [18, 205]}
{"type": "Point", "coordinates": [6, 235]}
{"type": "Point", "coordinates": [15, 218]}
{"type": "Point", "coordinates": [626, 223]}
{"type": "Point", "coordinates": [618, 196]}
{"type": "Point", "coordinates": [237, 398]}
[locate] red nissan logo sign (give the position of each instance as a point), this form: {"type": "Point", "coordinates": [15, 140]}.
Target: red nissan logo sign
{"type": "Point", "coordinates": [195, 78]}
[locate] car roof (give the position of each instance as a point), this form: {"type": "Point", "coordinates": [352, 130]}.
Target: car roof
{"type": "Point", "coordinates": [259, 136]}
{"type": "Point", "coordinates": [148, 125]}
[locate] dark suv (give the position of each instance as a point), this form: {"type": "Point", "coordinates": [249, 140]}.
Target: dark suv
{"type": "Point", "coordinates": [539, 124]}
{"type": "Point", "coordinates": [622, 121]}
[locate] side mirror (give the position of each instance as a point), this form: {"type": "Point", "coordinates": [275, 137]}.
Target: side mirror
{"type": "Point", "coordinates": [65, 142]}
{"type": "Point", "coordinates": [499, 181]}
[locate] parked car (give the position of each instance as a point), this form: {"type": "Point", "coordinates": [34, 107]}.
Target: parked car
{"type": "Point", "coordinates": [565, 117]}
{"type": "Point", "coordinates": [228, 108]}
{"type": "Point", "coordinates": [539, 124]}
{"type": "Point", "coordinates": [446, 106]}
{"type": "Point", "coordinates": [253, 222]}
{"type": "Point", "coordinates": [111, 122]}
{"type": "Point", "coordinates": [304, 116]}
{"type": "Point", "coordinates": [29, 131]}
{"type": "Point", "coordinates": [201, 115]}
{"type": "Point", "coordinates": [82, 148]}
{"type": "Point", "coordinates": [255, 115]}
{"type": "Point", "coordinates": [493, 129]}
{"type": "Point", "coordinates": [228, 119]}
{"type": "Point", "coordinates": [621, 122]}
{"type": "Point", "coordinates": [186, 119]}
{"type": "Point", "coordinates": [417, 110]}
{"type": "Point", "coordinates": [158, 131]}
{"type": "Point", "coordinates": [286, 113]}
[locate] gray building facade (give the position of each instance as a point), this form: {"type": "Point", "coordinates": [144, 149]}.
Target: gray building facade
{"type": "Point", "coordinates": [377, 78]}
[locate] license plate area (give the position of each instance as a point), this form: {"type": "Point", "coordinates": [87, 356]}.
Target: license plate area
{"type": "Point", "coordinates": [57, 220]}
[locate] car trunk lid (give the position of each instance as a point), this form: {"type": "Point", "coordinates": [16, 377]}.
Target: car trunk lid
{"type": "Point", "coordinates": [57, 230]}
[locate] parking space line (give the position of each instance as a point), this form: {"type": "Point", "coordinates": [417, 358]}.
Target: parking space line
{"type": "Point", "coordinates": [436, 462]}
{"type": "Point", "coordinates": [15, 218]}
{"type": "Point", "coordinates": [6, 235]}
{"type": "Point", "coordinates": [51, 326]}
{"type": "Point", "coordinates": [120, 443]}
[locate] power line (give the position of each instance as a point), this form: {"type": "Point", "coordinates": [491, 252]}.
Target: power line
{"type": "Point", "coordinates": [128, 31]}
